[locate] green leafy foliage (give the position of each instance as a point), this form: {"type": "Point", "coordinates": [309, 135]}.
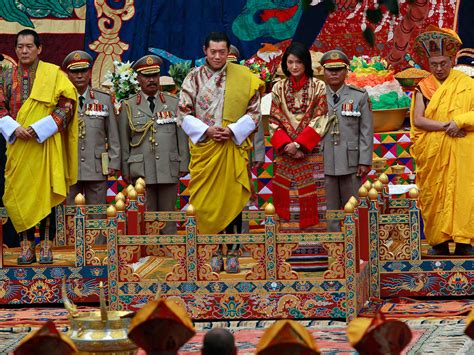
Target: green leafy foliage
{"type": "Point", "coordinates": [179, 71]}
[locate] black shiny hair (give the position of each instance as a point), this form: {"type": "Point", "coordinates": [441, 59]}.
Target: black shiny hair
{"type": "Point", "coordinates": [298, 50]}
{"type": "Point", "coordinates": [216, 37]}
{"type": "Point", "coordinates": [28, 32]}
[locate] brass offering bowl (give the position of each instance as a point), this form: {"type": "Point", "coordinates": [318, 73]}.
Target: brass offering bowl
{"type": "Point", "coordinates": [398, 169]}
{"type": "Point", "coordinates": [101, 331]}
{"type": "Point", "coordinates": [379, 164]}
{"type": "Point", "coordinates": [389, 120]}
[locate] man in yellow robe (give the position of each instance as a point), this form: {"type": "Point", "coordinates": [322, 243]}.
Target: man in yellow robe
{"type": "Point", "coordinates": [38, 121]}
{"type": "Point", "coordinates": [442, 117]}
{"type": "Point", "coordinates": [219, 108]}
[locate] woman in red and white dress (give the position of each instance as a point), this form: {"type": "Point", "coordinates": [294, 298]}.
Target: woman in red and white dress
{"type": "Point", "coordinates": [297, 123]}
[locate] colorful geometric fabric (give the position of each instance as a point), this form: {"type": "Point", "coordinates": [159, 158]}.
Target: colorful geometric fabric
{"type": "Point", "coordinates": [394, 146]}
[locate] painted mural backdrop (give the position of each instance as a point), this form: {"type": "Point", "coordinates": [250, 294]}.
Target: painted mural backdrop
{"type": "Point", "coordinates": [127, 29]}
{"type": "Point", "coordinates": [176, 29]}
{"type": "Point", "coordinates": [61, 23]}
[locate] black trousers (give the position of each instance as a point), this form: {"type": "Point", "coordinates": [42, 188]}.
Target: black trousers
{"type": "Point", "coordinates": [30, 233]}
{"type": "Point", "coordinates": [10, 236]}
{"type": "Point", "coordinates": [234, 227]}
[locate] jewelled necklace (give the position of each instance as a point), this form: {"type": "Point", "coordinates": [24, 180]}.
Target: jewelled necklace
{"type": "Point", "coordinates": [291, 101]}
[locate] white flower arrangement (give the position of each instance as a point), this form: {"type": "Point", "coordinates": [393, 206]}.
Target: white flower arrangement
{"type": "Point", "coordinates": [123, 79]}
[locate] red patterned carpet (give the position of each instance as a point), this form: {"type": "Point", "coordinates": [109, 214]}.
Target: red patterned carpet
{"type": "Point", "coordinates": [404, 307]}
{"type": "Point", "coordinates": [429, 336]}
{"type": "Point", "coordinates": [443, 334]}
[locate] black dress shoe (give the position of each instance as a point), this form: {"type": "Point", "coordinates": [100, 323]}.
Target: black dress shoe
{"type": "Point", "coordinates": [463, 249]}
{"type": "Point", "coordinates": [440, 249]}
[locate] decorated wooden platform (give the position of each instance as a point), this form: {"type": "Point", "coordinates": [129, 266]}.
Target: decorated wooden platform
{"type": "Point", "coordinates": [398, 267]}
{"type": "Point", "coordinates": [41, 284]}
{"type": "Point", "coordinates": [378, 254]}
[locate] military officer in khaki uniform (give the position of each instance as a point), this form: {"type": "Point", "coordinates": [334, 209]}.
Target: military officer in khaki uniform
{"type": "Point", "coordinates": [348, 145]}
{"type": "Point", "coordinates": [99, 143]}
{"type": "Point", "coordinates": [153, 146]}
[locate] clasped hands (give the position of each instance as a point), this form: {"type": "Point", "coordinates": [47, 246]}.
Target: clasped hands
{"type": "Point", "coordinates": [453, 130]}
{"type": "Point", "coordinates": [219, 134]}
{"type": "Point", "coordinates": [25, 133]}
{"type": "Point", "coordinates": [293, 152]}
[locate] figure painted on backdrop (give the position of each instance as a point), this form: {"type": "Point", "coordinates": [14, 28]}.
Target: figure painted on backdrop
{"type": "Point", "coordinates": [38, 121]}
{"type": "Point", "coordinates": [153, 146]}
{"type": "Point", "coordinates": [219, 109]}
{"type": "Point", "coordinates": [99, 144]}
{"type": "Point", "coordinates": [298, 121]}
{"type": "Point", "coordinates": [442, 117]}
{"type": "Point", "coordinates": [256, 159]}
{"type": "Point", "coordinates": [348, 146]}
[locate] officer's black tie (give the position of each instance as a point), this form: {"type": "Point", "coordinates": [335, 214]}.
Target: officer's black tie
{"type": "Point", "coordinates": [81, 101]}
{"type": "Point", "coordinates": [151, 100]}
{"type": "Point", "coordinates": [335, 98]}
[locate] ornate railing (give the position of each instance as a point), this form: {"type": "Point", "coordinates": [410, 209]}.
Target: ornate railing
{"type": "Point", "coordinates": [269, 288]}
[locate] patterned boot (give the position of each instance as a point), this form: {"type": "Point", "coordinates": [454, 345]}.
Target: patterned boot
{"type": "Point", "coordinates": [46, 252]}
{"type": "Point", "coordinates": [27, 252]}
{"type": "Point", "coordinates": [217, 262]}
{"type": "Point", "coordinates": [232, 265]}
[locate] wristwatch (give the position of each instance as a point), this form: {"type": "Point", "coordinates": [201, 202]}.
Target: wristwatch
{"type": "Point", "coordinates": [297, 145]}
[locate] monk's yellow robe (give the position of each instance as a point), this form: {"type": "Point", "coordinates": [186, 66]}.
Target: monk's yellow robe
{"type": "Point", "coordinates": [220, 184]}
{"type": "Point", "coordinates": [445, 165]}
{"type": "Point", "coordinates": [38, 175]}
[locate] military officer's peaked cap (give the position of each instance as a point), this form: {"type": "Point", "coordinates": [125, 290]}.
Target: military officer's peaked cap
{"type": "Point", "coordinates": [148, 65]}
{"type": "Point", "coordinates": [234, 54]}
{"type": "Point", "coordinates": [335, 59]}
{"type": "Point", "coordinates": [77, 60]}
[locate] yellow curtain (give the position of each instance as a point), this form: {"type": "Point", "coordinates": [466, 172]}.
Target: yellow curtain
{"type": "Point", "coordinates": [443, 164]}
{"type": "Point", "coordinates": [38, 176]}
